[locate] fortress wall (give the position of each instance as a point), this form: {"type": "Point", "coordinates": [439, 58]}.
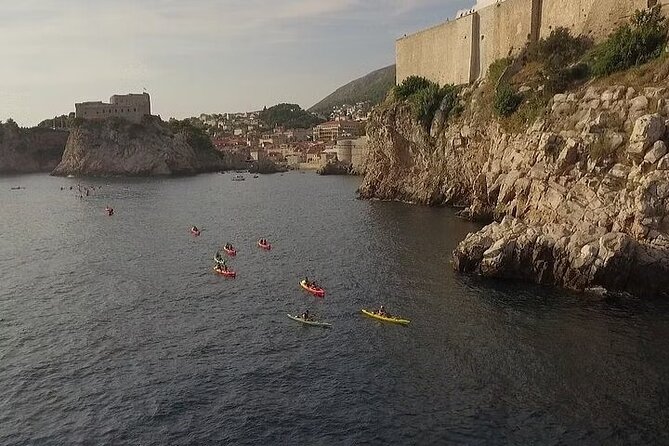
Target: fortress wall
{"type": "Point", "coordinates": [593, 18]}
{"type": "Point", "coordinates": [462, 50]}
{"type": "Point", "coordinates": [441, 54]}
{"type": "Point", "coordinates": [505, 29]}
{"type": "Point", "coordinates": [131, 107]}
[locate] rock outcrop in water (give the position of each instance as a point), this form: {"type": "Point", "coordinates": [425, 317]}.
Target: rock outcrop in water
{"type": "Point", "coordinates": [118, 147]}
{"type": "Point", "coordinates": [580, 199]}
{"type": "Point", "coordinates": [30, 150]}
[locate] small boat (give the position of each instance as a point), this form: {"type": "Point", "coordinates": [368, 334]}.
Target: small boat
{"type": "Point", "coordinates": [394, 320]}
{"type": "Point", "coordinates": [230, 251]}
{"type": "Point", "coordinates": [225, 273]}
{"type": "Point", "coordinates": [308, 322]}
{"type": "Point", "coordinates": [238, 178]}
{"type": "Point", "coordinates": [316, 291]}
{"type": "Point", "coordinates": [266, 246]}
{"type": "Point", "coordinates": [195, 232]}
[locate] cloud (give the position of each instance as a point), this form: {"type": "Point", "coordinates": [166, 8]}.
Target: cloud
{"type": "Point", "coordinates": [57, 52]}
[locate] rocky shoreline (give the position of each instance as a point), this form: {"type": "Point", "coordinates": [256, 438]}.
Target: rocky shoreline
{"type": "Point", "coordinates": [580, 199]}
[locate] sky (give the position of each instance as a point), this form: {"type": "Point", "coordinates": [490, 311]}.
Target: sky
{"type": "Point", "coordinates": [196, 56]}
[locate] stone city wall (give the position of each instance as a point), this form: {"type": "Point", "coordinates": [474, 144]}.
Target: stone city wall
{"type": "Point", "coordinates": [442, 53]}
{"type": "Point", "coordinates": [461, 50]}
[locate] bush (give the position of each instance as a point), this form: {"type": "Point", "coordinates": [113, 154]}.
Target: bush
{"type": "Point", "coordinates": [426, 97]}
{"type": "Point", "coordinates": [497, 68]}
{"type": "Point", "coordinates": [288, 116]}
{"type": "Point", "coordinates": [507, 101]}
{"type": "Point", "coordinates": [559, 49]}
{"type": "Point", "coordinates": [634, 44]}
{"type": "Point", "coordinates": [195, 136]}
{"type": "Point", "coordinates": [410, 86]}
{"type": "Point", "coordinates": [558, 80]}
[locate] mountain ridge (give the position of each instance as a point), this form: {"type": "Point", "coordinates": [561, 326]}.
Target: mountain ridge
{"type": "Point", "coordinates": [372, 87]}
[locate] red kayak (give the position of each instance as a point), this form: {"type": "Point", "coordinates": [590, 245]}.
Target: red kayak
{"type": "Point", "coordinates": [265, 246]}
{"type": "Point", "coordinates": [230, 251]}
{"type": "Point", "coordinates": [315, 290]}
{"type": "Point", "coordinates": [226, 273]}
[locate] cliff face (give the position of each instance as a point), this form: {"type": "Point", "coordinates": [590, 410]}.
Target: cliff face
{"type": "Point", "coordinates": [117, 147]}
{"type": "Point", "coordinates": [580, 199]}
{"type": "Point", "coordinates": [30, 150]}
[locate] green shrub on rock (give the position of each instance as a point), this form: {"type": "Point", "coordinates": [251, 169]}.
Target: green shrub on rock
{"type": "Point", "coordinates": [507, 101]}
{"type": "Point", "coordinates": [426, 97]}
{"type": "Point", "coordinates": [634, 44]}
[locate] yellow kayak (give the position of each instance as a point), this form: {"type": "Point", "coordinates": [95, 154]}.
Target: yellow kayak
{"type": "Point", "coordinates": [394, 320]}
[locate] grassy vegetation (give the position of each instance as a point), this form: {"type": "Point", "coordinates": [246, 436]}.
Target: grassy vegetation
{"type": "Point", "coordinates": [506, 100]}
{"type": "Point", "coordinates": [560, 62]}
{"type": "Point", "coordinates": [601, 150]}
{"type": "Point", "coordinates": [497, 68]}
{"type": "Point", "coordinates": [426, 97]}
{"type": "Point", "coordinates": [638, 42]}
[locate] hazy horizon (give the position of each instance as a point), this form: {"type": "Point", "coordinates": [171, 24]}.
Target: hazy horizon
{"type": "Point", "coordinates": [197, 57]}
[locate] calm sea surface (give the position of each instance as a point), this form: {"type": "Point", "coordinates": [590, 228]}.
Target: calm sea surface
{"type": "Point", "coordinates": [114, 330]}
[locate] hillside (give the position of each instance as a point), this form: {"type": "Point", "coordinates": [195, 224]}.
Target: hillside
{"type": "Point", "coordinates": [372, 87]}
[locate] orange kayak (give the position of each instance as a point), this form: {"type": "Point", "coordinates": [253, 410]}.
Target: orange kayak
{"type": "Point", "coordinates": [316, 291]}
{"type": "Point", "coordinates": [228, 273]}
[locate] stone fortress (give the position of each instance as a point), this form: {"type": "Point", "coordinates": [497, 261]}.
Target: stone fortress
{"type": "Point", "coordinates": [128, 106]}
{"type": "Point", "coordinates": [460, 51]}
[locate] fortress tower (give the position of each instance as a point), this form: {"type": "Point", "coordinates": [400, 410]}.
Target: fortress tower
{"type": "Point", "coordinates": [128, 106]}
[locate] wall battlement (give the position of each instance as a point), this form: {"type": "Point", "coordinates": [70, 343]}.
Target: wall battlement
{"type": "Point", "coordinates": [460, 51]}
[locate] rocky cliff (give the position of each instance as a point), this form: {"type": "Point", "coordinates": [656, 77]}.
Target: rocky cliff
{"type": "Point", "coordinates": [118, 147]}
{"type": "Point", "coordinates": [579, 199]}
{"type": "Point", "coordinates": [30, 150]}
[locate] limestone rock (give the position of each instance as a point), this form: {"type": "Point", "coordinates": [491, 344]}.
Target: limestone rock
{"type": "Point", "coordinates": [117, 147]}
{"type": "Point", "coordinates": [580, 196]}
{"type": "Point", "coordinates": [30, 150]}
{"type": "Point", "coordinates": [663, 163]}
{"type": "Point", "coordinates": [658, 151]}
{"type": "Point", "coordinates": [648, 129]}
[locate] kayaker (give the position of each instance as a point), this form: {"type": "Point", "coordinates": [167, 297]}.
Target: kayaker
{"type": "Point", "coordinates": [194, 229]}
{"type": "Point", "coordinates": [382, 312]}
{"type": "Point", "coordinates": [305, 316]}
{"type": "Point", "coordinates": [306, 281]}
{"type": "Point", "coordinates": [218, 255]}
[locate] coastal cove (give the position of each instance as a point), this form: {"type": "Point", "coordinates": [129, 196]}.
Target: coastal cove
{"type": "Point", "coordinates": [114, 330]}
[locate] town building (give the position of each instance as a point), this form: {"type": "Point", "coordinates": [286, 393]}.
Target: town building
{"type": "Point", "coordinates": [337, 129]}
{"type": "Point", "coordinates": [132, 107]}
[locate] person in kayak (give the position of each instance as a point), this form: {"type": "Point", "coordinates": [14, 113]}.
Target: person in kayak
{"type": "Point", "coordinates": [305, 316]}
{"type": "Point", "coordinates": [194, 229]}
{"type": "Point", "coordinates": [218, 256]}
{"type": "Point", "coordinates": [306, 281]}
{"type": "Point", "coordinates": [382, 312]}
